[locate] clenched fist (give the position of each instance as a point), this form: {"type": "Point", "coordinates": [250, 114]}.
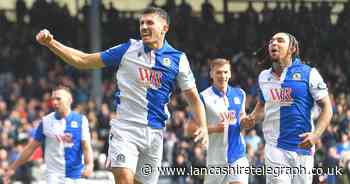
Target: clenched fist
{"type": "Point", "coordinates": [248, 121]}
{"type": "Point", "coordinates": [44, 37]}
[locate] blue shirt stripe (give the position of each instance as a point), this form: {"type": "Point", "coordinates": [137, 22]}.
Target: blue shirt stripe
{"type": "Point", "coordinates": [158, 98]}
{"type": "Point", "coordinates": [236, 145]}
{"type": "Point", "coordinates": [73, 155]}
{"type": "Point", "coordinates": [114, 55]}
{"type": "Point", "coordinates": [295, 119]}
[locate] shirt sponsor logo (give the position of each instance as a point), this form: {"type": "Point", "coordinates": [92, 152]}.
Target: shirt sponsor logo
{"type": "Point", "coordinates": [282, 96]}
{"type": "Point", "coordinates": [150, 78]}
{"type": "Point", "coordinates": [229, 116]}
{"type": "Point", "coordinates": [66, 139]}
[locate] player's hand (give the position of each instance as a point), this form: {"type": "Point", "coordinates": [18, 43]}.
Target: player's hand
{"type": "Point", "coordinates": [8, 173]}
{"type": "Point", "coordinates": [308, 140]}
{"type": "Point", "coordinates": [87, 170]}
{"type": "Point", "coordinates": [44, 37]}
{"type": "Point", "coordinates": [201, 136]}
{"type": "Point", "coordinates": [248, 121]}
{"type": "Point", "coordinates": [221, 126]}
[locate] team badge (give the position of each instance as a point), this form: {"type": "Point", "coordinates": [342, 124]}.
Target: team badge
{"type": "Point", "coordinates": [296, 76]}
{"type": "Point", "coordinates": [166, 62]}
{"type": "Point", "coordinates": [74, 124]}
{"type": "Point", "coordinates": [236, 100]}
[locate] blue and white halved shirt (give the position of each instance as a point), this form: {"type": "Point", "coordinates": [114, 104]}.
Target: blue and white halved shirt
{"type": "Point", "coordinates": [288, 104]}
{"type": "Point", "coordinates": [146, 79]}
{"type": "Point", "coordinates": [62, 141]}
{"type": "Point", "coordinates": [229, 146]}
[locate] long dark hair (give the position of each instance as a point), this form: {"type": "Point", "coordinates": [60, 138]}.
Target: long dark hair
{"type": "Point", "coordinates": [264, 60]}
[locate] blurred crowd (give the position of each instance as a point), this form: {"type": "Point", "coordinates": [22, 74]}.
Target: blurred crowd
{"type": "Point", "coordinates": [28, 72]}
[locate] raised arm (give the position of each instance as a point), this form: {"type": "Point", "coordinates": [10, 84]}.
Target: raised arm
{"type": "Point", "coordinates": [197, 107]}
{"type": "Point", "coordinates": [70, 55]}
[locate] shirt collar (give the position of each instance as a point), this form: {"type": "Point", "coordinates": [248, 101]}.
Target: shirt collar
{"type": "Point", "coordinates": [295, 61]}
{"type": "Point", "coordinates": [165, 47]}
{"type": "Point", "coordinates": [219, 92]}
{"type": "Point", "coordinates": [59, 117]}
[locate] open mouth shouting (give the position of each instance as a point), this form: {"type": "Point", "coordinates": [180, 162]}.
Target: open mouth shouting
{"type": "Point", "coordinates": [274, 52]}
{"type": "Point", "coordinates": [145, 34]}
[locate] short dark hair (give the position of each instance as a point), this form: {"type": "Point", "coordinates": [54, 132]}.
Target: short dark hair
{"type": "Point", "coordinates": [159, 11]}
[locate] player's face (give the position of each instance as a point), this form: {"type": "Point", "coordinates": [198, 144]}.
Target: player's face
{"type": "Point", "coordinates": [279, 47]}
{"type": "Point", "coordinates": [61, 101]}
{"type": "Point", "coordinates": [221, 74]}
{"type": "Point", "coordinates": [152, 28]}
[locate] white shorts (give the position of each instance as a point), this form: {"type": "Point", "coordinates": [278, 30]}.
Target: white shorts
{"type": "Point", "coordinates": [225, 179]}
{"type": "Point", "coordinates": [56, 179]}
{"type": "Point", "coordinates": [289, 164]}
{"type": "Point", "coordinates": [136, 146]}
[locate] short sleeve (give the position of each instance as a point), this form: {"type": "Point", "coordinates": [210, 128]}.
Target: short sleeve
{"type": "Point", "coordinates": [85, 133]}
{"type": "Point", "coordinates": [318, 88]}
{"type": "Point", "coordinates": [114, 55]}
{"type": "Point", "coordinates": [185, 78]}
{"type": "Point", "coordinates": [39, 133]}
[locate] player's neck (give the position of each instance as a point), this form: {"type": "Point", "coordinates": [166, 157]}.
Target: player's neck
{"type": "Point", "coordinates": [221, 88]}
{"type": "Point", "coordinates": [279, 66]}
{"type": "Point", "coordinates": [64, 114]}
{"type": "Point", "coordinates": [155, 45]}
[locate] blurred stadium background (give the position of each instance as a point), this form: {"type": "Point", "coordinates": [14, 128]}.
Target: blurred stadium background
{"type": "Point", "coordinates": [204, 29]}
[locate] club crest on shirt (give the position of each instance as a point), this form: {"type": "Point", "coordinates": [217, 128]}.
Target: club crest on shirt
{"type": "Point", "coordinates": [297, 76]}
{"type": "Point", "coordinates": [74, 124]}
{"type": "Point", "coordinates": [236, 100]}
{"type": "Point", "coordinates": [166, 62]}
{"type": "Point", "coordinates": [282, 96]}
